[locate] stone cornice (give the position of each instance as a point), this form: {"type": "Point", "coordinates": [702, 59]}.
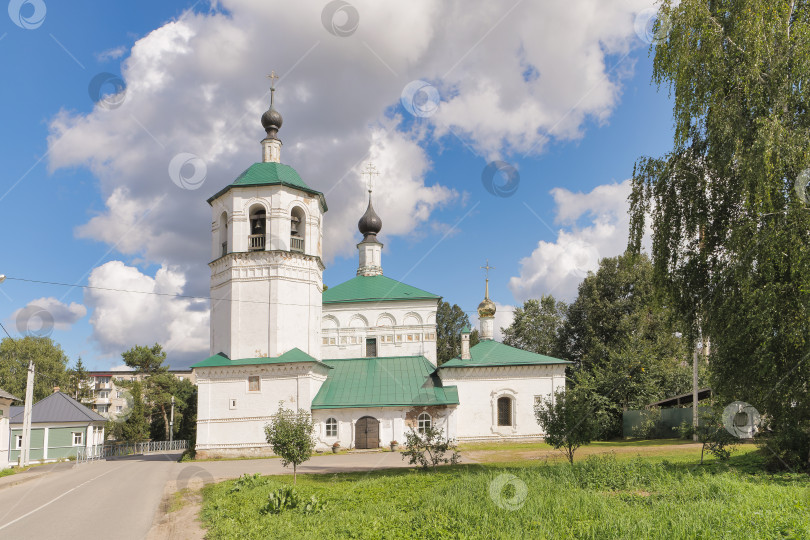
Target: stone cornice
{"type": "Point", "coordinates": [235, 419]}
{"type": "Point", "coordinates": [224, 373]}
{"type": "Point", "coordinates": [260, 259]}
{"type": "Point", "coordinates": [498, 372]}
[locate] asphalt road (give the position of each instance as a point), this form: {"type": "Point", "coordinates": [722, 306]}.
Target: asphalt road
{"type": "Point", "coordinates": [120, 498]}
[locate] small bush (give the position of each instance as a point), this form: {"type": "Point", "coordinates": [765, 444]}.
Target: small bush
{"type": "Point", "coordinates": [247, 481]}
{"type": "Point", "coordinates": [428, 449]}
{"type": "Point", "coordinates": [286, 498]}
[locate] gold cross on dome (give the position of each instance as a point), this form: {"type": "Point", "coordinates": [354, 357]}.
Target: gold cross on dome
{"type": "Point", "coordinates": [273, 78]}
{"type": "Point", "coordinates": [487, 268]}
{"type": "Point", "coordinates": [370, 171]}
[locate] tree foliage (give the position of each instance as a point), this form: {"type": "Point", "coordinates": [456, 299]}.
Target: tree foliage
{"type": "Point", "coordinates": [290, 434]}
{"type": "Point", "coordinates": [449, 322]}
{"type": "Point", "coordinates": [537, 325]}
{"type": "Point", "coordinates": [135, 427]}
{"type": "Point", "coordinates": [623, 340]}
{"type": "Point", "coordinates": [428, 449]}
{"type": "Point", "coordinates": [728, 203]}
{"type": "Point", "coordinates": [78, 381]}
{"type": "Point", "coordinates": [570, 419]}
{"type": "Point", "coordinates": [711, 433]}
{"type": "Point", "coordinates": [50, 363]}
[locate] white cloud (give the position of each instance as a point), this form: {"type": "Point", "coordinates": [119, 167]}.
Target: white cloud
{"type": "Point", "coordinates": [509, 80]}
{"type": "Point", "coordinates": [558, 267]}
{"type": "Point", "coordinates": [111, 54]}
{"type": "Point", "coordinates": [46, 311]}
{"type": "Point", "coordinates": [123, 319]}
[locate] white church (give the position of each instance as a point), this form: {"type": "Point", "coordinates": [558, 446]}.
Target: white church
{"type": "Point", "coordinates": [361, 356]}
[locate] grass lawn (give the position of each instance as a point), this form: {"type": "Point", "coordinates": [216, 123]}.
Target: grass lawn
{"type": "Point", "coordinates": [608, 496]}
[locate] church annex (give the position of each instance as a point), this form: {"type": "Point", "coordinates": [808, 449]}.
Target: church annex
{"type": "Point", "coordinates": [361, 356]}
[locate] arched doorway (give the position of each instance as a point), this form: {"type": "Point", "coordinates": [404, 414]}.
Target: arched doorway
{"type": "Point", "coordinates": [367, 433]}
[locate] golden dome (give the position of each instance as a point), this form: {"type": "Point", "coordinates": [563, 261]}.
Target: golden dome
{"type": "Point", "coordinates": [486, 308]}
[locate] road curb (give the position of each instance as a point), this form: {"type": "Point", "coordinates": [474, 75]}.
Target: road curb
{"type": "Point", "coordinates": [23, 480]}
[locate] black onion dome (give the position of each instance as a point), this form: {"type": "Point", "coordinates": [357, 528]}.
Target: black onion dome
{"type": "Point", "coordinates": [370, 224]}
{"type": "Point", "coordinates": [271, 122]}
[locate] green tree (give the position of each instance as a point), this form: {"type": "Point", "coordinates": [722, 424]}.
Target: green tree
{"type": "Point", "coordinates": [78, 382]}
{"type": "Point", "coordinates": [728, 202]}
{"type": "Point", "coordinates": [50, 363]}
{"type": "Point", "coordinates": [146, 360]}
{"type": "Point", "coordinates": [624, 340]}
{"type": "Point", "coordinates": [290, 435]}
{"type": "Point", "coordinates": [449, 322]}
{"type": "Point", "coordinates": [537, 325]}
{"type": "Point", "coordinates": [427, 449]}
{"type": "Point", "coordinates": [569, 420]}
{"type": "Point", "coordinates": [135, 427]}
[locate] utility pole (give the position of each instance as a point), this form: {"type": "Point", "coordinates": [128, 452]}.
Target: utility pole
{"type": "Point", "coordinates": [25, 453]}
{"type": "Point", "coordinates": [171, 423]}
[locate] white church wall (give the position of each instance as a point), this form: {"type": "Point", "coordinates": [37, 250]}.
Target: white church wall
{"type": "Point", "coordinates": [395, 422]}
{"type": "Point", "coordinates": [402, 328]}
{"type": "Point", "coordinates": [479, 389]}
{"type": "Point", "coordinates": [231, 418]}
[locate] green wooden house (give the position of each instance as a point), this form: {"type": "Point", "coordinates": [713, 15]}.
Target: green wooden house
{"type": "Point", "coordinates": [60, 425]}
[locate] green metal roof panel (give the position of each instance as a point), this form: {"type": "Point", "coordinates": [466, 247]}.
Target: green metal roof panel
{"type": "Point", "coordinates": [383, 382]}
{"type": "Point", "coordinates": [493, 353]}
{"type": "Point", "coordinates": [271, 174]}
{"type": "Point", "coordinates": [291, 356]}
{"type": "Point", "coordinates": [373, 289]}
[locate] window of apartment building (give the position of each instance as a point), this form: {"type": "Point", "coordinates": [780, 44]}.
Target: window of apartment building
{"type": "Point", "coordinates": [119, 394]}
{"type": "Point", "coordinates": [103, 394]}
{"type": "Point", "coordinates": [119, 408]}
{"type": "Point", "coordinates": [78, 438]}
{"type": "Point", "coordinates": [102, 408]}
{"type": "Point", "coordinates": [254, 383]}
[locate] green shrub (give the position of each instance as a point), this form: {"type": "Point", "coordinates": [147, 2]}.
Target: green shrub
{"type": "Point", "coordinates": [247, 481]}
{"type": "Point", "coordinates": [428, 449]}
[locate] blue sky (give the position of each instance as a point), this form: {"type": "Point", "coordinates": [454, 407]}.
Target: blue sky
{"type": "Point", "coordinates": [86, 196]}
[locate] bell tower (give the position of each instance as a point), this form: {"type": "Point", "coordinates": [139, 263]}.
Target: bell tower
{"type": "Point", "coordinates": [267, 272]}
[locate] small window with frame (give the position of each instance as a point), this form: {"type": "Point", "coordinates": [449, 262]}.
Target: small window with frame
{"type": "Point", "coordinates": [423, 422]}
{"type": "Point", "coordinates": [232, 403]}
{"type": "Point", "coordinates": [78, 438]}
{"type": "Point", "coordinates": [331, 427]}
{"type": "Point", "coordinates": [18, 442]}
{"type": "Point", "coordinates": [254, 383]}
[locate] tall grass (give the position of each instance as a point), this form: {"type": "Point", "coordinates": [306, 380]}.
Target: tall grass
{"type": "Point", "coordinates": [601, 497]}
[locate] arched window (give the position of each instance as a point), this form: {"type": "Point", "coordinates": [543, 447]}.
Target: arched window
{"type": "Point", "coordinates": [223, 233]}
{"type": "Point", "coordinates": [297, 229]}
{"type": "Point", "coordinates": [331, 427]}
{"type": "Point", "coordinates": [504, 411]}
{"type": "Point", "coordinates": [424, 422]}
{"type": "Point", "coordinates": [258, 228]}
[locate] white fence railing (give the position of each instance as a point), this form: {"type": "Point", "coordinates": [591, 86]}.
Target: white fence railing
{"type": "Point", "coordinates": [104, 451]}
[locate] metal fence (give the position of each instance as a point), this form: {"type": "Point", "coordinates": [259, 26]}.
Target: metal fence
{"type": "Point", "coordinates": [105, 451]}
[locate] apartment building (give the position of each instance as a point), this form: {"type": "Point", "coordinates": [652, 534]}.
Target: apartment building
{"type": "Point", "coordinates": [111, 400]}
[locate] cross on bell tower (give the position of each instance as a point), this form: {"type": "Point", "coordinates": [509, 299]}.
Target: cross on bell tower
{"type": "Point", "coordinates": [486, 309]}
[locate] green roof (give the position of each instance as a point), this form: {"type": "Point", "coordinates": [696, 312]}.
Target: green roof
{"type": "Point", "coordinates": [373, 289]}
{"type": "Point", "coordinates": [493, 353]}
{"type": "Point", "coordinates": [271, 174]}
{"type": "Point", "coordinates": [293, 355]}
{"type": "Point", "coordinates": [383, 382]}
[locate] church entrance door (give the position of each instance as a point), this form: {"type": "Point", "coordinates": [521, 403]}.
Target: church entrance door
{"type": "Point", "coordinates": [367, 433]}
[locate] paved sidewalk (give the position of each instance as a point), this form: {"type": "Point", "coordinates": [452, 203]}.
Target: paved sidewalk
{"type": "Point", "coordinates": [33, 473]}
